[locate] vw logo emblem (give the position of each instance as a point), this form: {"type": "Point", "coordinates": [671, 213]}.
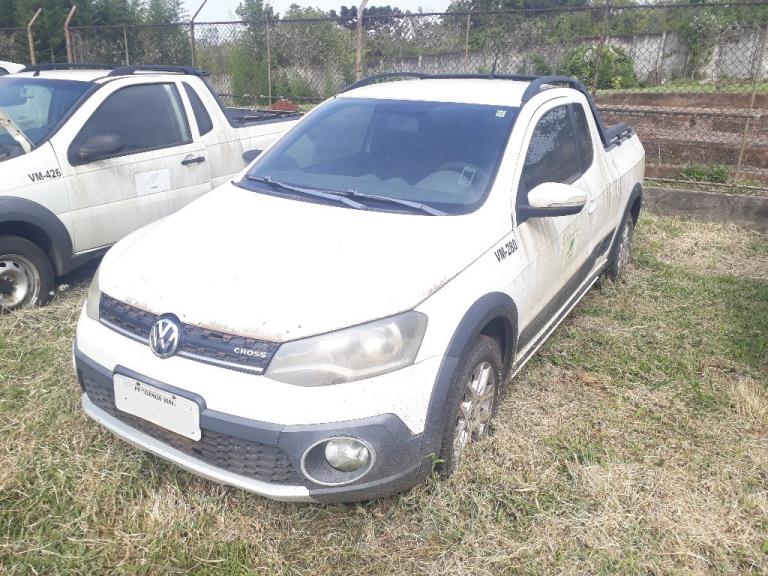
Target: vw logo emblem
{"type": "Point", "coordinates": [164, 338]}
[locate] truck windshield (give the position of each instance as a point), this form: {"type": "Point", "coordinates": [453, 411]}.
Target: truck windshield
{"type": "Point", "coordinates": [442, 155]}
{"type": "Point", "coordinates": [35, 106]}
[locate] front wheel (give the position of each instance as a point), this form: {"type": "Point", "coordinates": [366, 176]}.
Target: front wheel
{"type": "Point", "coordinates": [26, 274]}
{"type": "Point", "coordinates": [622, 252]}
{"type": "Point", "coordinates": [473, 402]}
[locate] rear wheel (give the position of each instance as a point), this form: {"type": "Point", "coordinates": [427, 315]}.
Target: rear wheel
{"type": "Point", "coordinates": [473, 403]}
{"type": "Point", "coordinates": [26, 274]}
{"type": "Point", "coordinates": [622, 251]}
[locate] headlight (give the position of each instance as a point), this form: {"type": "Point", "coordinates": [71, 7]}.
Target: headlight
{"type": "Point", "coordinates": [350, 354]}
{"type": "Point", "coordinates": [94, 297]}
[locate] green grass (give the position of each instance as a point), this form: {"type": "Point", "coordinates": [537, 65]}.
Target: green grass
{"type": "Point", "coordinates": [635, 442]}
{"type": "Point", "coordinates": [694, 87]}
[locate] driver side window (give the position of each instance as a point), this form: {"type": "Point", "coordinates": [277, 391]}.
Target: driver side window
{"type": "Point", "coordinates": [552, 153]}
{"type": "Point", "coordinates": [145, 117]}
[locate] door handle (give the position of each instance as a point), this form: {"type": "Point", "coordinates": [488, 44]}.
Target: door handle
{"type": "Point", "coordinates": [592, 206]}
{"type": "Point", "coordinates": [193, 160]}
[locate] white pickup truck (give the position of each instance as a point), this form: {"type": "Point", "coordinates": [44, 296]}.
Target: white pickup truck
{"type": "Point", "coordinates": [89, 154]}
{"type": "Point", "coordinates": [388, 266]}
{"type": "Point", "coordinates": [9, 67]}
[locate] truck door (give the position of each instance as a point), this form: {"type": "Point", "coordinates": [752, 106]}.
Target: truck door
{"type": "Point", "coordinates": [598, 220]}
{"type": "Point", "coordinates": [133, 161]}
{"type": "Point", "coordinates": [556, 248]}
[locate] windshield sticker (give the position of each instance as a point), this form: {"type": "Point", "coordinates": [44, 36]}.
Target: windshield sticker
{"type": "Point", "coordinates": [35, 177]}
{"type": "Point", "coordinates": [466, 176]}
{"type": "Point", "coordinates": [501, 113]}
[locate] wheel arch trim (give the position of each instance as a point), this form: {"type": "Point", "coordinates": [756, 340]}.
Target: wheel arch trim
{"type": "Point", "coordinates": [22, 211]}
{"type": "Point", "coordinates": [488, 308]}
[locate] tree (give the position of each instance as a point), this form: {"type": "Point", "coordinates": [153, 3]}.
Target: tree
{"type": "Point", "coordinates": [375, 16]}
{"type": "Point", "coordinates": [255, 11]}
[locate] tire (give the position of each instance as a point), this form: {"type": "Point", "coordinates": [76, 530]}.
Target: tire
{"type": "Point", "coordinates": [467, 423]}
{"type": "Point", "coordinates": [26, 274]}
{"type": "Point", "coordinates": [622, 251]}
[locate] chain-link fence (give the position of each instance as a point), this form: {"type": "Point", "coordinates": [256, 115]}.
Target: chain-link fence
{"type": "Point", "coordinates": [691, 78]}
{"type": "Point", "coordinates": [13, 45]}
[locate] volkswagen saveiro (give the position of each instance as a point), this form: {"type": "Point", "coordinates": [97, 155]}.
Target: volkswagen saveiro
{"type": "Point", "coordinates": [342, 316]}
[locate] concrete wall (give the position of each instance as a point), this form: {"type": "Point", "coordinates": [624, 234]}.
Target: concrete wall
{"type": "Point", "coordinates": [747, 211]}
{"type": "Point", "coordinates": [657, 58]}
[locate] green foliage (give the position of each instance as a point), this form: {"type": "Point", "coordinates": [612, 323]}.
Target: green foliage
{"type": "Point", "coordinates": [716, 173]}
{"type": "Point", "coordinates": [698, 33]}
{"type": "Point", "coordinates": [538, 64]}
{"type": "Point", "coordinates": [49, 33]}
{"type": "Point", "coordinates": [613, 67]}
{"type": "Point", "coordinates": [248, 71]}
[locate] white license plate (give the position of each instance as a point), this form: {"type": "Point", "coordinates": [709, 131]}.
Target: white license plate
{"type": "Point", "coordinates": [163, 408]}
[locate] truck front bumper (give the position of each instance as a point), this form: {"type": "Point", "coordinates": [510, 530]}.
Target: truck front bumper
{"type": "Point", "coordinates": [259, 457]}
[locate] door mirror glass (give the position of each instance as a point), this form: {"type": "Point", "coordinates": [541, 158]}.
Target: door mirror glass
{"type": "Point", "coordinates": [100, 146]}
{"type": "Point", "coordinates": [553, 199]}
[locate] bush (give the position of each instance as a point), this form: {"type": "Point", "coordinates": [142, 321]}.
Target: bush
{"type": "Point", "coordinates": [614, 68]}
{"type": "Point", "coordinates": [705, 173]}
{"type": "Point", "coordinates": [537, 64]}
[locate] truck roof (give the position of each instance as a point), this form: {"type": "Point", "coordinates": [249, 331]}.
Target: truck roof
{"type": "Point", "coordinates": [462, 90]}
{"type": "Point", "coordinates": [96, 72]}
{"type": "Point", "coordinates": [496, 90]}
{"type": "Point", "coordinates": [81, 75]}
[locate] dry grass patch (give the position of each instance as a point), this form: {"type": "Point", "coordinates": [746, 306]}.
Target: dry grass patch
{"type": "Point", "coordinates": [636, 442]}
{"type": "Point", "coordinates": [707, 247]}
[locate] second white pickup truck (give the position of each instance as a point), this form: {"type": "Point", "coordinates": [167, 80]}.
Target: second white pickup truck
{"type": "Point", "coordinates": [89, 154]}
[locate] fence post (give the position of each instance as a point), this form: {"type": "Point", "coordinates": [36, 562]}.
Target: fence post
{"type": "Point", "coordinates": [192, 30]}
{"type": "Point", "coordinates": [359, 48]}
{"type": "Point", "coordinates": [125, 44]}
{"type": "Point", "coordinates": [603, 41]}
{"type": "Point", "coordinates": [269, 66]}
{"type": "Point", "coordinates": [68, 35]}
{"type": "Point", "coordinates": [30, 38]}
{"type": "Point", "coordinates": [658, 73]}
{"type": "Point", "coordinates": [757, 64]}
{"type": "Point", "coordinates": [466, 44]}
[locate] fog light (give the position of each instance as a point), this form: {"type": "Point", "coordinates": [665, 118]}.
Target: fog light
{"type": "Point", "coordinates": [346, 454]}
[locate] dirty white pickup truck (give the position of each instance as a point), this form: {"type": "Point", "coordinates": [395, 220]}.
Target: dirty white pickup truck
{"type": "Point", "coordinates": [89, 154]}
{"type": "Point", "coordinates": [9, 67]}
{"type": "Point", "coordinates": [441, 227]}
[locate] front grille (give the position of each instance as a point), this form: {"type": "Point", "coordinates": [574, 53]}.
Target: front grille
{"type": "Point", "coordinates": [244, 457]}
{"type": "Point", "coordinates": [195, 343]}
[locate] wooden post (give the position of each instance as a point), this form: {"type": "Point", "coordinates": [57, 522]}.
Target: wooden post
{"type": "Point", "coordinates": [603, 42]}
{"type": "Point", "coordinates": [757, 64]}
{"type": "Point", "coordinates": [359, 49]}
{"type": "Point", "coordinates": [125, 44]}
{"type": "Point", "coordinates": [466, 45]}
{"type": "Point", "coordinates": [269, 66]}
{"type": "Point", "coordinates": [68, 35]}
{"type": "Point", "coordinates": [192, 31]}
{"type": "Point", "coordinates": [30, 38]}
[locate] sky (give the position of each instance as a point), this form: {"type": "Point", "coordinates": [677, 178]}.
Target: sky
{"type": "Point", "coordinates": [221, 10]}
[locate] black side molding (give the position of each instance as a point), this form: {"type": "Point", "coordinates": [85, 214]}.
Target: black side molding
{"type": "Point", "coordinates": [20, 211]}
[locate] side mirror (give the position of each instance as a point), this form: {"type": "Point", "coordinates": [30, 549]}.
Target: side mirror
{"type": "Point", "coordinates": [250, 155]}
{"type": "Point", "coordinates": [552, 199]}
{"type": "Point", "coordinates": [99, 146]}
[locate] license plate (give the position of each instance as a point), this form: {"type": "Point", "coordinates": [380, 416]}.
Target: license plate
{"type": "Point", "coordinates": [165, 409]}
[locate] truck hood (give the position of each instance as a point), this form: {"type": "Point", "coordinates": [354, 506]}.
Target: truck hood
{"type": "Point", "coordinates": [279, 269]}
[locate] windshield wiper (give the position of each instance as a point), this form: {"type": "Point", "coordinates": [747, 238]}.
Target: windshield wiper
{"type": "Point", "coordinates": [7, 123]}
{"type": "Point", "coordinates": [336, 197]}
{"type": "Point", "coordinates": [262, 114]}
{"type": "Point", "coordinates": [401, 202]}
